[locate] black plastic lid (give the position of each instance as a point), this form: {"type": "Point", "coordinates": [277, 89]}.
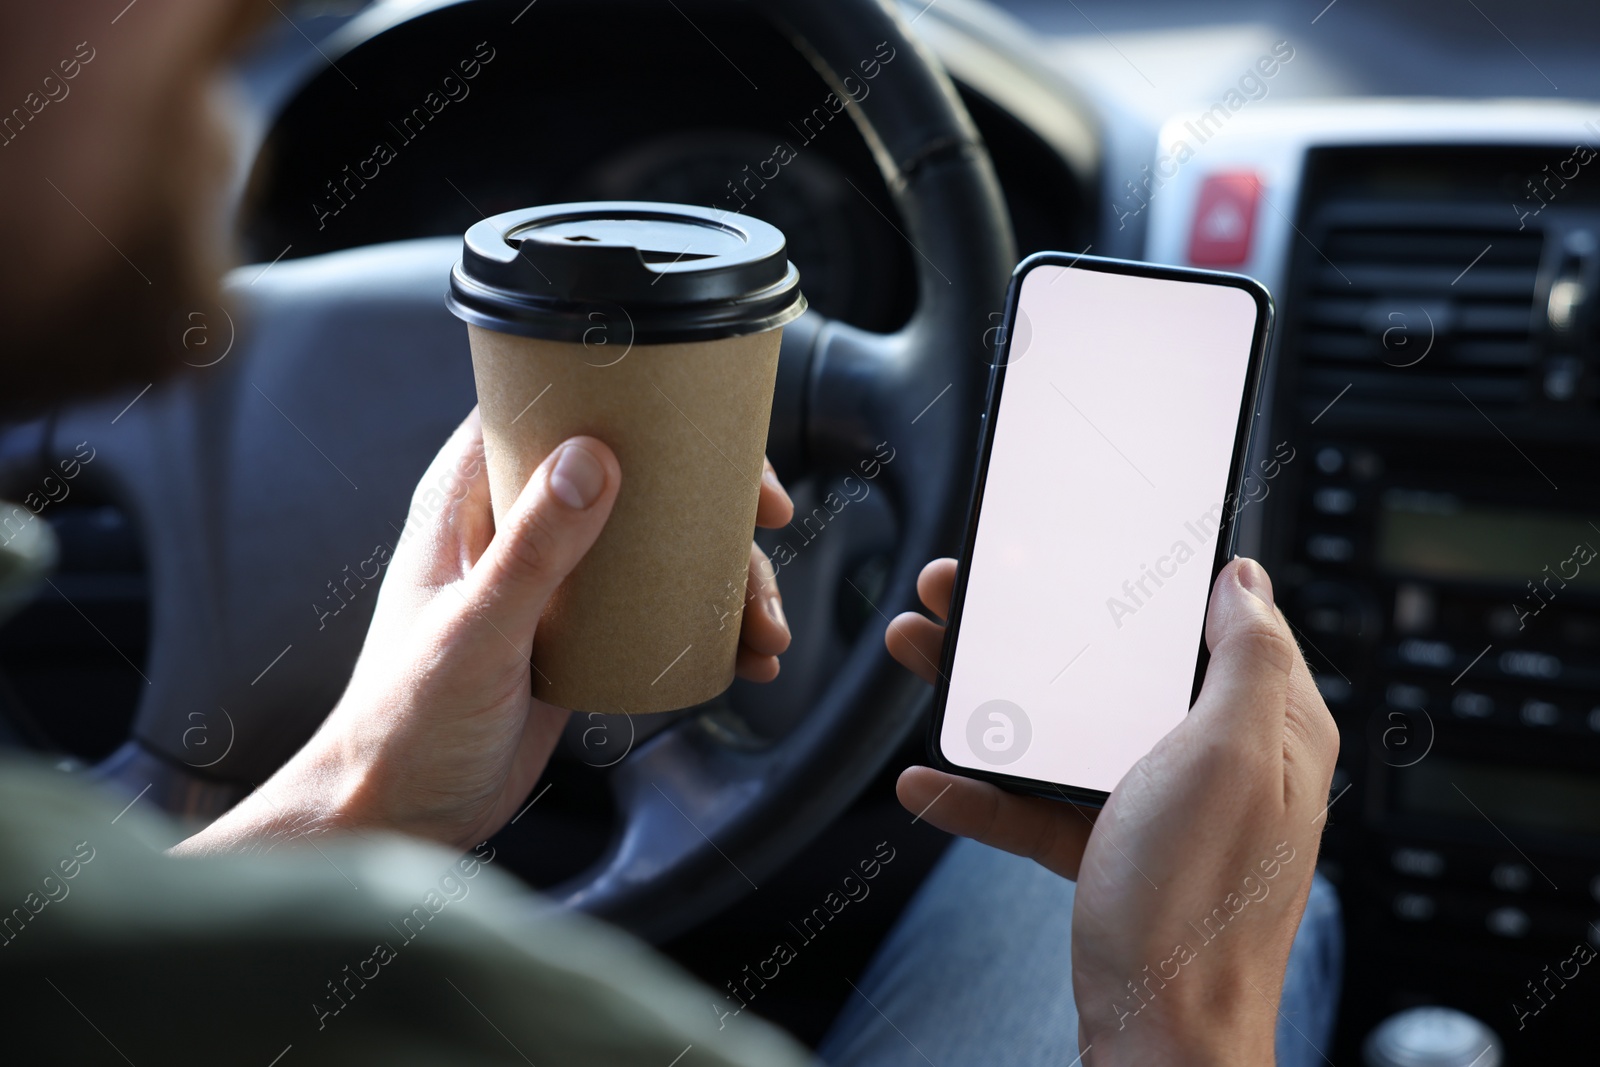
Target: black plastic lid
{"type": "Point", "coordinates": [665, 273]}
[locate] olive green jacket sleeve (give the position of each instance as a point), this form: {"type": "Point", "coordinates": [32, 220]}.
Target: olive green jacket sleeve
{"type": "Point", "coordinates": [382, 951]}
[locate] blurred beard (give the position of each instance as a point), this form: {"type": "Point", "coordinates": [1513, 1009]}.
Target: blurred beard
{"type": "Point", "coordinates": [150, 307]}
{"type": "Point", "coordinates": [111, 331]}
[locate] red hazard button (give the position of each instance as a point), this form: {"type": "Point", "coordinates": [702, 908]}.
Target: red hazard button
{"type": "Point", "coordinates": [1224, 220]}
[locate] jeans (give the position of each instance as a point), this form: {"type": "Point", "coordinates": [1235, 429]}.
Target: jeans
{"type": "Point", "coordinates": [978, 971]}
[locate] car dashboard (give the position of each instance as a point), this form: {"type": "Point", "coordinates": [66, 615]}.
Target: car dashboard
{"type": "Point", "coordinates": [1433, 260]}
{"type": "Point", "coordinates": [1430, 537]}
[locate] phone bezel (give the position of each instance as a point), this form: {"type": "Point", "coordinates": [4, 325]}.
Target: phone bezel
{"type": "Point", "coordinates": [1226, 534]}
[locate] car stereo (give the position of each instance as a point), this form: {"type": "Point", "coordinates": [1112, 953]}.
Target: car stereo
{"type": "Point", "coordinates": [1437, 551]}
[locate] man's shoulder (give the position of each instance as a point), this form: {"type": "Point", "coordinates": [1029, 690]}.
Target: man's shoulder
{"type": "Point", "coordinates": [340, 947]}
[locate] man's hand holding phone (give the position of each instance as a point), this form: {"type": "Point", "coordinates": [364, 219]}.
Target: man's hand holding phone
{"type": "Point", "coordinates": [1193, 877]}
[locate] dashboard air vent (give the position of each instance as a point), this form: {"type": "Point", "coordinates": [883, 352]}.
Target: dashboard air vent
{"type": "Point", "coordinates": [1408, 309]}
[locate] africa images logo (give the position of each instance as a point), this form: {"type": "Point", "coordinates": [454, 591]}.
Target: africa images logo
{"type": "Point", "coordinates": [998, 732]}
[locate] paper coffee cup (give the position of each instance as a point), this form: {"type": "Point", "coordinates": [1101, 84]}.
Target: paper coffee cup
{"type": "Point", "coordinates": [655, 328]}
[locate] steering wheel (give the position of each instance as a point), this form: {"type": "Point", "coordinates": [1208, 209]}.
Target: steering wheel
{"type": "Point", "coordinates": [263, 482]}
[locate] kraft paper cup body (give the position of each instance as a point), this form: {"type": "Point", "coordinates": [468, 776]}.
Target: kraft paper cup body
{"type": "Point", "coordinates": [649, 621]}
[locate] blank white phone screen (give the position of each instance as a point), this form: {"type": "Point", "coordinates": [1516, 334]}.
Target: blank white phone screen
{"type": "Point", "coordinates": [1091, 566]}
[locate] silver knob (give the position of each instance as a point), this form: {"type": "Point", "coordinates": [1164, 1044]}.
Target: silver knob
{"type": "Point", "coordinates": [1432, 1037]}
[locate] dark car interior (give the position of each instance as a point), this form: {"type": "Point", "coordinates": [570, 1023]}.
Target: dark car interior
{"type": "Point", "coordinates": [1414, 185]}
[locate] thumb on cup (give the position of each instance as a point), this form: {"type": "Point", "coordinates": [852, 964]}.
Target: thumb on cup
{"type": "Point", "coordinates": [544, 534]}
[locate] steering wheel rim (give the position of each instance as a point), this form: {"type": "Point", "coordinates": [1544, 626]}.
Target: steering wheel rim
{"type": "Point", "coordinates": [702, 818]}
{"type": "Point", "coordinates": [857, 390]}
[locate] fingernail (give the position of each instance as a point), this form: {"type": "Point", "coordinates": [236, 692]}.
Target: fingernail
{"type": "Point", "coordinates": [775, 611]}
{"type": "Point", "coordinates": [1254, 578]}
{"type": "Point", "coordinates": [769, 478]}
{"type": "Point", "coordinates": [577, 478]}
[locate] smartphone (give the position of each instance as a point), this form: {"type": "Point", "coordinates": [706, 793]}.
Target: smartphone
{"type": "Point", "coordinates": [1108, 487]}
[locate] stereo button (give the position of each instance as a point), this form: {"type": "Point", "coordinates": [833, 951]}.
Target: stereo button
{"type": "Point", "coordinates": [1540, 713]}
{"type": "Point", "coordinates": [1401, 695]}
{"type": "Point", "coordinates": [1530, 664]}
{"type": "Point", "coordinates": [1508, 922]}
{"type": "Point", "coordinates": [1511, 877]}
{"type": "Point", "coordinates": [1419, 653]}
{"type": "Point", "coordinates": [1328, 548]}
{"type": "Point", "coordinates": [1414, 907]}
{"type": "Point", "coordinates": [1417, 862]}
{"type": "Point", "coordinates": [1414, 608]}
{"type": "Point", "coordinates": [1333, 500]}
